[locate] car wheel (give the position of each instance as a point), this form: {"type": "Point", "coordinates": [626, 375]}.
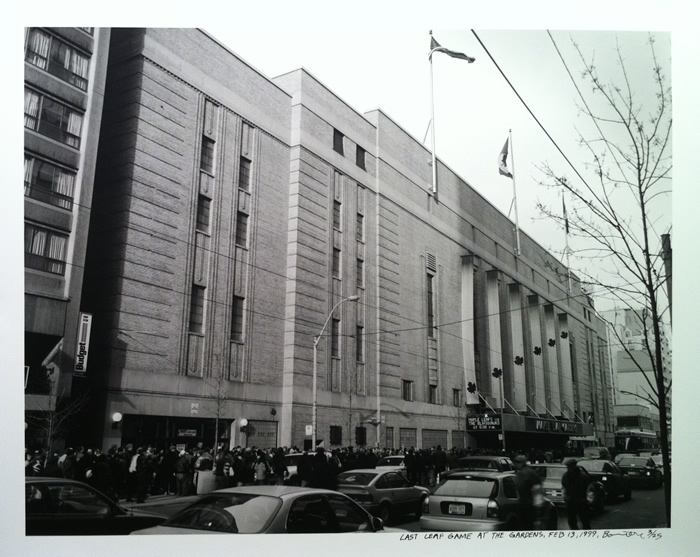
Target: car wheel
{"type": "Point", "coordinates": [419, 510]}
{"type": "Point", "coordinates": [553, 521]}
{"type": "Point", "coordinates": [385, 513]}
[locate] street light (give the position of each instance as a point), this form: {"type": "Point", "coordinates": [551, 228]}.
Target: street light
{"type": "Point", "coordinates": [316, 341]}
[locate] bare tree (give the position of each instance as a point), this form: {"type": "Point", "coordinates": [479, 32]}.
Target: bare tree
{"type": "Point", "coordinates": [53, 420]}
{"type": "Point", "coordinates": [611, 217]}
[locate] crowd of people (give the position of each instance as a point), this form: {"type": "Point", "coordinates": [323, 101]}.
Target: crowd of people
{"type": "Point", "coordinates": [133, 473]}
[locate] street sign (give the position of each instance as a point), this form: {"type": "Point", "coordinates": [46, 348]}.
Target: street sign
{"type": "Point", "coordinates": [309, 430]}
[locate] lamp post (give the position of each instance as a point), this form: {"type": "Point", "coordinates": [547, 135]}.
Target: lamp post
{"type": "Point", "coordinates": [316, 341]}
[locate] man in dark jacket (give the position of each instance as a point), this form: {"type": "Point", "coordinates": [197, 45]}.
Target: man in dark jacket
{"type": "Point", "coordinates": [575, 484]}
{"type": "Point", "coordinates": [528, 484]}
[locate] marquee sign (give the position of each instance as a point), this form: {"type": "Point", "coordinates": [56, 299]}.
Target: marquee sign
{"type": "Point", "coordinates": [540, 425]}
{"type": "Point", "coordinates": [484, 423]}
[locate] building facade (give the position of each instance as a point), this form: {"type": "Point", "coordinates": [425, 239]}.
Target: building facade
{"type": "Point", "coordinates": [64, 75]}
{"type": "Point", "coordinates": [254, 236]}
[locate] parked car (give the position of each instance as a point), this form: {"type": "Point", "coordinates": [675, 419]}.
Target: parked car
{"type": "Point", "coordinates": [551, 475]}
{"type": "Point", "coordinates": [486, 462]}
{"type": "Point", "coordinates": [468, 500]}
{"type": "Point", "coordinates": [393, 461]}
{"type": "Point", "coordinates": [615, 481]}
{"type": "Point", "coordinates": [642, 471]}
{"type": "Point", "coordinates": [270, 509]}
{"type": "Point", "coordinates": [61, 507]}
{"type": "Point", "coordinates": [385, 493]}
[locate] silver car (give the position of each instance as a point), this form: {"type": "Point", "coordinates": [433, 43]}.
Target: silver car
{"type": "Point", "coordinates": [467, 500]}
{"type": "Point", "coordinates": [269, 509]}
{"type": "Point", "coordinates": [384, 492]}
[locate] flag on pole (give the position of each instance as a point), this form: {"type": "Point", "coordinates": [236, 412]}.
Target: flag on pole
{"type": "Point", "coordinates": [566, 217]}
{"type": "Point", "coordinates": [435, 47]}
{"type": "Point", "coordinates": [502, 166]}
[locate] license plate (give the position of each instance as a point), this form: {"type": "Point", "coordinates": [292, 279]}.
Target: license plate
{"type": "Point", "coordinates": [457, 509]}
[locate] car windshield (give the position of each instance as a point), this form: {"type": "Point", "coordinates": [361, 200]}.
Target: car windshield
{"type": "Point", "coordinates": [292, 460]}
{"type": "Point", "coordinates": [467, 486]}
{"type": "Point", "coordinates": [658, 460]}
{"type": "Point", "coordinates": [233, 513]}
{"type": "Point", "coordinates": [633, 461]}
{"type": "Point", "coordinates": [354, 478]}
{"type": "Point", "coordinates": [390, 461]}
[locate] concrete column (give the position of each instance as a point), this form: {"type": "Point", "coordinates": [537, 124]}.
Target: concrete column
{"type": "Point", "coordinates": [467, 314]}
{"type": "Point", "coordinates": [518, 397]}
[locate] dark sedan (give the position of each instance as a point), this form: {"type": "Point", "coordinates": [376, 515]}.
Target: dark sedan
{"type": "Point", "coordinates": [60, 507]}
{"type": "Point", "coordinates": [615, 481]}
{"type": "Point", "coordinates": [642, 471]}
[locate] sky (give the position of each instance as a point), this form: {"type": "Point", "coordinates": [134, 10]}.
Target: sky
{"type": "Point", "coordinates": [475, 107]}
{"type": "Point", "coordinates": [375, 54]}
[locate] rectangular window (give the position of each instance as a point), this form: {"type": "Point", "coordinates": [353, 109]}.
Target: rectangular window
{"type": "Point", "coordinates": [432, 393]}
{"type": "Point", "coordinates": [197, 309]}
{"type": "Point", "coordinates": [360, 273]}
{"type": "Point", "coordinates": [244, 175]}
{"type": "Point", "coordinates": [336, 214]}
{"type": "Point", "coordinates": [57, 57]}
{"type": "Point", "coordinates": [52, 118]}
{"type": "Point", "coordinates": [336, 435]}
{"type": "Point", "coordinates": [49, 183]}
{"type": "Point", "coordinates": [360, 228]}
{"type": "Point", "coordinates": [44, 249]}
{"type": "Point", "coordinates": [237, 319]}
{"type": "Point", "coordinates": [456, 397]}
{"type": "Point", "coordinates": [207, 160]}
{"type": "Point", "coordinates": [407, 390]}
{"type": "Point", "coordinates": [335, 338]}
{"type": "Point", "coordinates": [360, 157]}
{"type": "Point", "coordinates": [241, 229]}
{"type": "Point", "coordinates": [360, 436]}
{"type": "Point", "coordinates": [337, 142]}
{"type": "Point", "coordinates": [336, 262]}
{"type": "Point", "coordinates": [431, 315]}
{"type": "Point", "coordinates": [360, 343]}
{"type": "Point", "coordinates": [203, 207]}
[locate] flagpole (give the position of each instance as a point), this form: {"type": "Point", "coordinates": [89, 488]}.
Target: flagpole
{"type": "Point", "coordinates": [432, 122]}
{"type": "Point", "coordinates": [515, 195]}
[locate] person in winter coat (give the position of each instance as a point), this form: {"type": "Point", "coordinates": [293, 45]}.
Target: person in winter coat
{"type": "Point", "coordinates": [262, 469]}
{"type": "Point", "coordinates": [575, 485]}
{"type": "Point", "coordinates": [182, 471]}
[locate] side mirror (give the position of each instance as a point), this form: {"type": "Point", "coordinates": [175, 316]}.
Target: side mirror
{"type": "Point", "coordinates": [377, 524]}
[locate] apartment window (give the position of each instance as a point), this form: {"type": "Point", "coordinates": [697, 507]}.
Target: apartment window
{"type": "Point", "coordinates": [432, 394]}
{"type": "Point", "coordinates": [431, 313]}
{"type": "Point", "coordinates": [336, 214]}
{"type": "Point", "coordinates": [197, 309]}
{"type": "Point", "coordinates": [360, 273]}
{"type": "Point", "coordinates": [336, 262]}
{"type": "Point", "coordinates": [244, 175]}
{"type": "Point", "coordinates": [57, 57]}
{"type": "Point", "coordinates": [335, 338]}
{"type": "Point", "coordinates": [203, 208]}
{"type": "Point", "coordinates": [207, 161]}
{"type": "Point", "coordinates": [407, 390]}
{"type": "Point", "coordinates": [360, 228]}
{"type": "Point", "coordinates": [360, 157]}
{"type": "Point", "coordinates": [52, 118]}
{"type": "Point", "coordinates": [337, 142]}
{"type": "Point", "coordinates": [336, 436]}
{"type": "Point", "coordinates": [44, 249]}
{"type": "Point", "coordinates": [360, 343]}
{"type": "Point", "coordinates": [360, 436]}
{"type": "Point", "coordinates": [49, 183]}
{"type": "Point", "coordinates": [456, 397]}
{"type": "Point", "coordinates": [88, 30]}
{"type": "Point", "coordinates": [237, 319]}
{"type": "Point", "coordinates": [241, 229]}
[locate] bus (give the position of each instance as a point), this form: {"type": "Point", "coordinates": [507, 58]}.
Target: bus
{"type": "Point", "coordinates": [635, 440]}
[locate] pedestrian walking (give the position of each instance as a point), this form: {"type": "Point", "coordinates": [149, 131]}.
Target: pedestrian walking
{"type": "Point", "coordinates": [529, 486]}
{"type": "Point", "coordinates": [575, 484]}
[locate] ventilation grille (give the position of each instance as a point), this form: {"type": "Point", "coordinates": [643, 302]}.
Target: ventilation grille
{"type": "Point", "coordinates": [430, 262]}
